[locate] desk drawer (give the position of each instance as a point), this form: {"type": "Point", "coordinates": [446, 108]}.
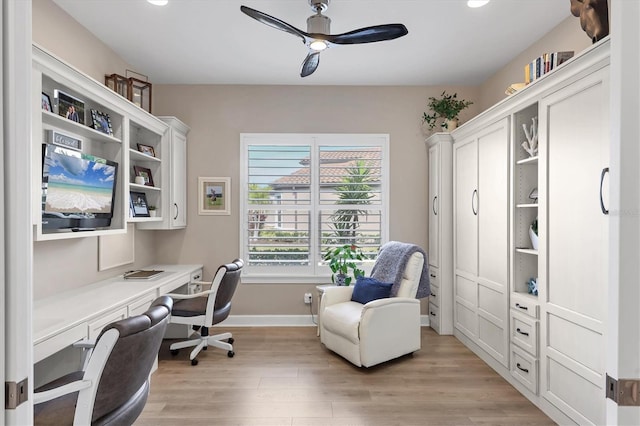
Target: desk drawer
{"type": "Point", "coordinates": [434, 275]}
{"type": "Point", "coordinates": [434, 297]}
{"type": "Point", "coordinates": [174, 284]}
{"type": "Point", "coordinates": [196, 276]}
{"type": "Point", "coordinates": [524, 368]}
{"type": "Point", "coordinates": [59, 341]}
{"type": "Point", "coordinates": [96, 326]}
{"type": "Point", "coordinates": [140, 305]}
{"type": "Point", "coordinates": [434, 317]}
{"type": "Point", "coordinates": [524, 306]}
{"type": "Point", "coordinates": [524, 332]}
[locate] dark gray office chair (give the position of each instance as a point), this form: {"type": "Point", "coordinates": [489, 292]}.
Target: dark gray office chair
{"type": "Point", "coordinates": [113, 386]}
{"type": "Point", "coordinates": [206, 308]}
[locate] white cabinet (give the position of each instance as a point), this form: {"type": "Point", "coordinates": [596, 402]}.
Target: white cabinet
{"type": "Point", "coordinates": [174, 178]}
{"type": "Point", "coordinates": [574, 260]}
{"type": "Point", "coordinates": [481, 189]}
{"type": "Point", "coordinates": [440, 253]}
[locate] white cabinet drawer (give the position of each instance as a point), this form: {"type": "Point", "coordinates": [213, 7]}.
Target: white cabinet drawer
{"type": "Point", "coordinates": [141, 304]}
{"type": "Point", "coordinates": [524, 368]}
{"type": "Point", "coordinates": [524, 306]}
{"type": "Point", "coordinates": [59, 341]}
{"type": "Point", "coordinates": [96, 326]}
{"type": "Point", "coordinates": [434, 317]}
{"type": "Point", "coordinates": [434, 297]}
{"type": "Point", "coordinates": [524, 333]}
{"type": "Point", "coordinates": [434, 276]}
{"type": "Point", "coordinates": [174, 284]}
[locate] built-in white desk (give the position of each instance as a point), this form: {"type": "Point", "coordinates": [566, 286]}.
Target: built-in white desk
{"type": "Point", "coordinates": [66, 317]}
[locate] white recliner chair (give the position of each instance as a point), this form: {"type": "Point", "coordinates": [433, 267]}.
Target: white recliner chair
{"type": "Point", "coordinates": [380, 330]}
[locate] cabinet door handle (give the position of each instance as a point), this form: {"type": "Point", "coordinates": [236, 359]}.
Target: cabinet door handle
{"type": "Point", "coordinates": [519, 306]}
{"type": "Point", "coordinates": [524, 333]}
{"type": "Point", "coordinates": [521, 368]}
{"type": "Point", "coordinates": [604, 172]}
{"type": "Point", "coordinates": [433, 205]}
{"type": "Point", "coordinates": [474, 196]}
{"type": "Point", "coordinates": [177, 210]}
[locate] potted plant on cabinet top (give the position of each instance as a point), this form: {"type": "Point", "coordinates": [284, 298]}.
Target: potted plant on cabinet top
{"type": "Point", "coordinates": [342, 259]}
{"type": "Point", "coordinates": [447, 107]}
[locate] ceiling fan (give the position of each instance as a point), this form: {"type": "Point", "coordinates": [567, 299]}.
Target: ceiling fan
{"type": "Point", "coordinates": [317, 37]}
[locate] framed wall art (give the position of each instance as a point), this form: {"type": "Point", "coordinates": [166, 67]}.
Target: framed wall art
{"type": "Point", "coordinates": [101, 122]}
{"type": "Point", "coordinates": [69, 106]}
{"type": "Point", "coordinates": [214, 195]}
{"type": "Point", "coordinates": [138, 206]}
{"type": "Point", "coordinates": [145, 173]}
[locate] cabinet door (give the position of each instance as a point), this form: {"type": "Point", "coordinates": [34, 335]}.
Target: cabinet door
{"type": "Point", "coordinates": [575, 143]}
{"type": "Point", "coordinates": [178, 180]}
{"type": "Point", "coordinates": [466, 208]}
{"type": "Point", "coordinates": [434, 182]}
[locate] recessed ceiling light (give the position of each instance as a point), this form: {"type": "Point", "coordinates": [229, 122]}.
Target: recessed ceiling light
{"type": "Point", "coordinates": [158, 2]}
{"type": "Point", "coordinates": [477, 3]}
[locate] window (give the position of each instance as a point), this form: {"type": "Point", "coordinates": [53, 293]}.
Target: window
{"type": "Point", "coordinates": [301, 194]}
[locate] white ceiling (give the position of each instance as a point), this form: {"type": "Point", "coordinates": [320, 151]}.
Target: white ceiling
{"type": "Point", "coordinates": [212, 42]}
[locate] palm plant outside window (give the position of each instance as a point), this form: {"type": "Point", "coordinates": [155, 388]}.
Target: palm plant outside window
{"type": "Point", "coordinates": [302, 194]}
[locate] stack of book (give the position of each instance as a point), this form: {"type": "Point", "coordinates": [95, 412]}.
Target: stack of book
{"type": "Point", "coordinates": [544, 64]}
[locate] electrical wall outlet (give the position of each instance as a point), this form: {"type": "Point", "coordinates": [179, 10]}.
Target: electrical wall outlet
{"type": "Point", "coordinates": [307, 298]}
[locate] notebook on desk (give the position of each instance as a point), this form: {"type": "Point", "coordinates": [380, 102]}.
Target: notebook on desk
{"type": "Point", "coordinates": [141, 274]}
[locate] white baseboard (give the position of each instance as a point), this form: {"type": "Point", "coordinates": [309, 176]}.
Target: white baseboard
{"type": "Point", "coordinates": [283, 321]}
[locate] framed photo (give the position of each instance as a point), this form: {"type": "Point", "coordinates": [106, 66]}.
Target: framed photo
{"type": "Point", "coordinates": [146, 149]}
{"type": "Point", "coordinates": [101, 122]}
{"type": "Point", "coordinates": [68, 106]}
{"type": "Point", "coordinates": [214, 195]}
{"type": "Point", "coordinates": [46, 102]}
{"type": "Point", "coordinates": [145, 173]}
{"type": "Point", "coordinates": [66, 140]}
{"type": "Point", "coordinates": [138, 204]}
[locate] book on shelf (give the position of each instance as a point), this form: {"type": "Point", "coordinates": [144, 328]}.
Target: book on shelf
{"type": "Point", "coordinates": [544, 64]}
{"type": "Point", "coordinates": [513, 88]}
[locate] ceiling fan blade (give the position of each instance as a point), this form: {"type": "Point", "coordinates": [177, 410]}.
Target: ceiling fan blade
{"type": "Point", "coordinates": [274, 22]}
{"type": "Point", "coordinates": [369, 34]}
{"type": "Point", "coordinates": [310, 64]}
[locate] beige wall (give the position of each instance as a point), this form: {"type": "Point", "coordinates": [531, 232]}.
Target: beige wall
{"type": "Point", "coordinates": [567, 35]}
{"type": "Point", "coordinates": [217, 116]}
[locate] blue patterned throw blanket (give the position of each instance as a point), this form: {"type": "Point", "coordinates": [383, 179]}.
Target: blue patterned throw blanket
{"type": "Point", "coordinates": [391, 262]}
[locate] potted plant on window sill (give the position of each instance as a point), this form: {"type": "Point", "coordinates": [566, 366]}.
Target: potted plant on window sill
{"type": "Point", "coordinates": [446, 108]}
{"type": "Point", "coordinates": [341, 260]}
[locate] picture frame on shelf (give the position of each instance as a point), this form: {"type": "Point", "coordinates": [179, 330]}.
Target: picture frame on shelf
{"type": "Point", "coordinates": [214, 195]}
{"type": "Point", "coordinates": [147, 150]}
{"type": "Point", "coordinates": [145, 173]}
{"type": "Point", "coordinates": [65, 140]}
{"type": "Point", "coordinates": [68, 106]}
{"type": "Point", "coordinates": [138, 205]}
{"type": "Point", "coordinates": [46, 102]}
{"type": "Point", "coordinates": [101, 122]}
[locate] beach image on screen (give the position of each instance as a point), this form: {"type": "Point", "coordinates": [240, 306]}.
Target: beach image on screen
{"type": "Point", "coordinates": [78, 185]}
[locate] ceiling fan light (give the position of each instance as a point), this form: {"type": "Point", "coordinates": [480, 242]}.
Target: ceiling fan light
{"type": "Point", "coordinates": [477, 3]}
{"type": "Point", "coordinates": [158, 2]}
{"type": "Point", "coordinates": [318, 45]}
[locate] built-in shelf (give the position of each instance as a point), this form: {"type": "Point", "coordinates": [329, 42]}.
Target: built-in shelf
{"type": "Point", "coordinates": [527, 296]}
{"type": "Point", "coordinates": [144, 187]}
{"type": "Point", "coordinates": [530, 160]}
{"type": "Point", "coordinates": [62, 123]}
{"type": "Point", "coordinates": [526, 206]}
{"type": "Point", "coordinates": [145, 219]}
{"type": "Point", "coordinates": [527, 251]}
{"type": "Point", "coordinates": [139, 156]}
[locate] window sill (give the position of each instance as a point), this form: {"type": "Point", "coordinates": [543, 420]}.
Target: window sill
{"type": "Point", "coordinates": [285, 279]}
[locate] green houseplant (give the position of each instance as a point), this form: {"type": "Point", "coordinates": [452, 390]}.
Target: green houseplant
{"type": "Point", "coordinates": [446, 107]}
{"type": "Point", "coordinates": [341, 260]}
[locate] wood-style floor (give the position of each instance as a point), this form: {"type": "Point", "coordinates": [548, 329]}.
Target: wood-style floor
{"type": "Point", "coordinates": [285, 376]}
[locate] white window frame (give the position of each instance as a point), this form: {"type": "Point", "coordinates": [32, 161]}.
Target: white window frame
{"type": "Point", "coordinates": [314, 273]}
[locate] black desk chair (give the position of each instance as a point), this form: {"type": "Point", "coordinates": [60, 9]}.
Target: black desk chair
{"type": "Point", "coordinates": [204, 309]}
{"type": "Point", "coordinates": [113, 386]}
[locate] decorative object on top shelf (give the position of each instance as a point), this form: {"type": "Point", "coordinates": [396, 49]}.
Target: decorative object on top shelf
{"type": "Point", "coordinates": [137, 90]}
{"type": "Point", "coordinates": [147, 150]}
{"type": "Point", "coordinates": [513, 88]}
{"type": "Point", "coordinates": [46, 102]}
{"type": "Point", "coordinates": [544, 64]}
{"type": "Point", "coordinates": [68, 106]}
{"type": "Point", "coordinates": [214, 195]}
{"type": "Point", "coordinates": [533, 234]}
{"type": "Point", "coordinates": [594, 17]}
{"type": "Point", "coordinates": [533, 195]}
{"type": "Point", "coordinates": [532, 286]}
{"type": "Point", "coordinates": [342, 259]}
{"type": "Point", "coordinates": [447, 108]}
{"type": "Point", "coordinates": [531, 144]}
{"type": "Point", "coordinates": [138, 206]}
{"type": "Point", "coordinates": [145, 173]}
{"type": "Point", "coordinates": [101, 122]}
